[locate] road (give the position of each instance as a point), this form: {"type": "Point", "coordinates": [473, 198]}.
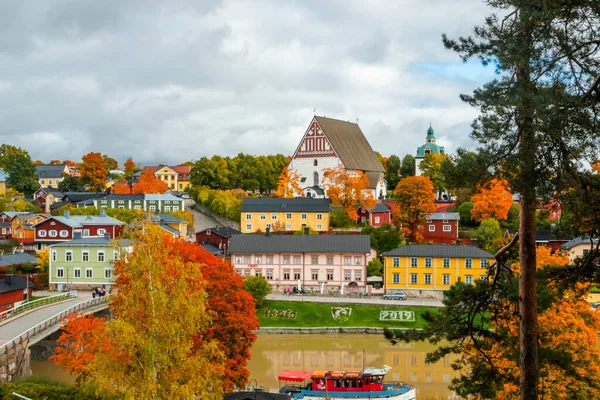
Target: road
{"type": "Point", "coordinates": [357, 300]}
{"type": "Point", "coordinates": [201, 221]}
{"type": "Point", "coordinates": [14, 327]}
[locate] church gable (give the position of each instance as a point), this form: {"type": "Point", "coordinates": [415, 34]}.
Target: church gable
{"type": "Point", "coordinates": [314, 143]}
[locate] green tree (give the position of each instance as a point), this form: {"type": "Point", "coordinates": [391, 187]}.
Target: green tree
{"type": "Point", "coordinates": [383, 238]}
{"type": "Point", "coordinates": [489, 234]}
{"type": "Point", "coordinates": [466, 170]}
{"type": "Point", "coordinates": [19, 168]}
{"type": "Point", "coordinates": [464, 212]}
{"type": "Point", "coordinates": [212, 173]}
{"type": "Point", "coordinates": [69, 183]}
{"type": "Point", "coordinates": [408, 166]}
{"type": "Point", "coordinates": [258, 287]}
{"type": "Point", "coordinates": [431, 168]}
{"type": "Point", "coordinates": [512, 220]}
{"type": "Point", "coordinates": [110, 163]}
{"type": "Point", "coordinates": [392, 175]}
{"type": "Point", "coordinates": [374, 268]}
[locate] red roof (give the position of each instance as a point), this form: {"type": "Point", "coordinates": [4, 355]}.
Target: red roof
{"type": "Point", "coordinates": [294, 376]}
{"type": "Point", "coordinates": [180, 169]}
{"type": "Point", "coordinates": [442, 207]}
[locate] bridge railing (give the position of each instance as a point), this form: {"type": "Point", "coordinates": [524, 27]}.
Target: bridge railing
{"type": "Point", "coordinates": [30, 305]}
{"type": "Point", "coordinates": [56, 319]}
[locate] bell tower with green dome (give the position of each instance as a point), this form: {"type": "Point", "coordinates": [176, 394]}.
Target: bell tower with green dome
{"type": "Point", "coordinates": [429, 147]}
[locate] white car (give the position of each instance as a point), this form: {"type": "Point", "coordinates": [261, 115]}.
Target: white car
{"type": "Point", "coordinates": [395, 296]}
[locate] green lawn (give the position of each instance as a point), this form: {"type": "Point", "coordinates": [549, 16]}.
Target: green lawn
{"type": "Point", "coordinates": [32, 298]}
{"type": "Point", "coordinates": [312, 315]}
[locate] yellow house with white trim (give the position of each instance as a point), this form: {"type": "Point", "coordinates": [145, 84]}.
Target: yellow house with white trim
{"type": "Point", "coordinates": [289, 215]}
{"type": "Point", "coordinates": [429, 270]}
{"type": "Point", "coordinates": [177, 177]}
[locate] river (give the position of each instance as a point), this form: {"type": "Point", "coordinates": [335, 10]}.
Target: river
{"type": "Point", "coordinates": [272, 354]}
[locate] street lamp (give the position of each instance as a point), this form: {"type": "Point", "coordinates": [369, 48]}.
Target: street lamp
{"type": "Point", "coordinates": [253, 387]}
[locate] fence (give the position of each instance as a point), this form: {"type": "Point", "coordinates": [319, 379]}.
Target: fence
{"type": "Point", "coordinates": [30, 305]}
{"type": "Point", "coordinates": [52, 321]}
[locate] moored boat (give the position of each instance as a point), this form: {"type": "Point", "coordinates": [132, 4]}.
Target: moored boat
{"type": "Point", "coordinates": [334, 385]}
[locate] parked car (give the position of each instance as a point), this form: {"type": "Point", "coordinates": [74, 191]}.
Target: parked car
{"type": "Point", "coordinates": [185, 196]}
{"type": "Point", "coordinates": [595, 304]}
{"type": "Point", "coordinates": [395, 296]}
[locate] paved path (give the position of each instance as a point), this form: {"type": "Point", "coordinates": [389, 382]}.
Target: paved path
{"type": "Point", "coordinates": [14, 327]}
{"type": "Point", "coordinates": [202, 221]}
{"type": "Point", "coordinates": [357, 300]}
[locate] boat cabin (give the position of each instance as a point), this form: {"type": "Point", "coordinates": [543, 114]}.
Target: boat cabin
{"type": "Point", "coordinates": [370, 380]}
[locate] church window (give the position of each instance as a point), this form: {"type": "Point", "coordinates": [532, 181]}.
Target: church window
{"type": "Point", "coordinates": [316, 178]}
{"type": "Point", "coordinates": [315, 162]}
{"type": "Point", "coordinates": [427, 150]}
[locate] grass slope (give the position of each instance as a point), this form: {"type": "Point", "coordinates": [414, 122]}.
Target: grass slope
{"type": "Point", "coordinates": [313, 315]}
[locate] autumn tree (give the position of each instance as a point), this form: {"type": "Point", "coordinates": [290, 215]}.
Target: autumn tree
{"type": "Point", "coordinates": [130, 167]}
{"type": "Point", "coordinates": [415, 201]}
{"type": "Point", "coordinates": [110, 163]}
{"type": "Point", "coordinates": [93, 172]}
{"type": "Point", "coordinates": [289, 184]}
{"type": "Point", "coordinates": [121, 188]}
{"type": "Point", "coordinates": [348, 189]}
{"type": "Point", "coordinates": [149, 184]}
{"type": "Point", "coordinates": [55, 162]}
{"type": "Point", "coordinates": [493, 200]}
{"type": "Point", "coordinates": [43, 259]}
{"type": "Point", "coordinates": [383, 238]}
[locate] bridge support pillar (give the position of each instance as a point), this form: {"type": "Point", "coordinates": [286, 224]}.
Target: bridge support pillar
{"type": "Point", "coordinates": [15, 361]}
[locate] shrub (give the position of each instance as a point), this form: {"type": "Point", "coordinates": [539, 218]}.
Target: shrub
{"type": "Point", "coordinates": [258, 287]}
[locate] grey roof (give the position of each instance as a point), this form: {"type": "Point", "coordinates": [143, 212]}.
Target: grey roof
{"type": "Point", "coordinates": [17, 259]}
{"type": "Point", "coordinates": [12, 214]}
{"type": "Point", "coordinates": [75, 197]}
{"type": "Point", "coordinates": [13, 282]}
{"type": "Point", "coordinates": [444, 216]}
{"type": "Point", "coordinates": [165, 196]}
{"type": "Point", "coordinates": [373, 177]}
{"type": "Point", "coordinates": [350, 144]}
{"type": "Point", "coordinates": [121, 197]}
{"type": "Point", "coordinates": [298, 204]}
{"type": "Point", "coordinates": [168, 218]}
{"type": "Point", "coordinates": [78, 221]}
{"type": "Point", "coordinates": [169, 229]}
{"type": "Point", "coordinates": [60, 204]}
{"type": "Point", "coordinates": [300, 243]}
{"type": "Point", "coordinates": [541, 235]}
{"type": "Point", "coordinates": [223, 231]}
{"type": "Point", "coordinates": [439, 250]}
{"type": "Point", "coordinates": [580, 240]}
{"type": "Point", "coordinates": [50, 171]}
{"type": "Point", "coordinates": [211, 248]}
{"type": "Point", "coordinates": [380, 208]}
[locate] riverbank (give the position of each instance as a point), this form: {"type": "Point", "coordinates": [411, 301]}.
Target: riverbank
{"type": "Point", "coordinates": [277, 316]}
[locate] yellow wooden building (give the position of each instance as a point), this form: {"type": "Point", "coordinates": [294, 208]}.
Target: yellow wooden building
{"type": "Point", "coordinates": [428, 270]}
{"type": "Point", "coordinates": [287, 215]}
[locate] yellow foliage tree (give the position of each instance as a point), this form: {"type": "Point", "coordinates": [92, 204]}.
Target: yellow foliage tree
{"type": "Point", "coordinates": [492, 200]}
{"type": "Point", "coordinates": [289, 184]}
{"type": "Point", "coordinates": [348, 189]}
{"type": "Point", "coordinates": [43, 259]}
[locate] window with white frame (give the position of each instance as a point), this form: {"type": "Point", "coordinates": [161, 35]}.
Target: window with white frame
{"type": "Point", "coordinates": [329, 274]}
{"type": "Point", "coordinates": [167, 208]}
{"type": "Point", "coordinates": [288, 215]}
{"type": "Point", "coordinates": [468, 263]}
{"type": "Point", "coordinates": [319, 217]}
{"type": "Point", "coordinates": [85, 256]}
{"type": "Point", "coordinates": [258, 260]}
{"type": "Point", "coordinates": [238, 259]}
{"type": "Point", "coordinates": [357, 275]}
{"type": "Point", "coordinates": [414, 279]}
{"type": "Point", "coordinates": [297, 260]}
{"type": "Point", "coordinates": [427, 262]}
{"type": "Point", "coordinates": [86, 232]}
{"type": "Point", "coordinates": [303, 216]}
{"type": "Point", "coordinates": [152, 208]}
{"type": "Point", "coordinates": [273, 215]}
{"type": "Point", "coordinates": [469, 279]}
{"type": "Point", "coordinates": [395, 261]}
{"type": "Point", "coordinates": [447, 228]}
{"type": "Point", "coordinates": [121, 207]}
{"type": "Point", "coordinates": [357, 260]}
{"type": "Point", "coordinates": [414, 262]}
{"type": "Point", "coordinates": [377, 219]}
{"type": "Point", "coordinates": [247, 259]}
{"type": "Point", "coordinates": [137, 207]}
{"type": "Point", "coordinates": [100, 256]}
{"type": "Point", "coordinates": [76, 272]}
{"type": "Point", "coordinates": [286, 274]}
{"type": "Point", "coordinates": [269, 260]}
{"type": "Point", "coordinates": [258, 272]}
{"type": "Point", "coordinates": [268, 226]}
{"type": "Point", "coordinates": [445, 221]}
{"type": "Point", "coordinates": [286, 259]}
{"type": "Point", "coordinates": [269, 274]}
{"type": "Point", "coordinates": [347, 260]}
{"type": "Point", "coordinates": [446, 263]}
{"type": "Point", "coordinates": [175, 208]}
{"type": "Point", "coordinates": [52, 233]}
{"type": "Point", "coordinates": [60, 273]}
{"type": "Point", "coordinates": [314, 260]}
{"type": "Point", "coordinates": [482, 277]}
{"type": "Point", "coordinates": [427, 279]}
{"type": "Point", "coordinates": [263, 216]}
{"type": "Point", "coordinates": [288, 227]}
{"type": "Point", "coordinates": [101, 232]}
{"type": "Point", "coordinates": [107, 273]}
{"type": "Point", "coordinates": [248, 216]}
{"type": "Point", "coordinates": [347, 275]}
{"type": "Point", "coordinates": [428, 221]}
{"type": "Point", "coordinates": [314, 274]}
{"type": "Point", "coordinates": [248, 227]}
{"type": "Point", "coordinates": [319, 227]}
{"type": "Point", "coordinates": [41, 233]}
{"type": "Point", "coordinates": [329, 260]}
{"type": "Point", "coordinates": [431, 228]}
{"type": "Point", "coordinates": [396, 278]}
{"type": "Point", "coordinates": [68, 255]}
{"type": "Point", "coordinates": [89, 273]}
{"type": "Point", "coordinates": [115, 255]}
{"type": "Point", "coordinates": [446, 279]}
{"type": "Point", "coordinates": [485, 263]}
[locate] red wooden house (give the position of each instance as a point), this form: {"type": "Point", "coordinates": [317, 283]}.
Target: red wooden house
{"type": "Point", "coordinates": [13, 290]}
{"type": "Point", "coordinates": [441, 227]}
{"type": "Point", "coordinates": [378, 215]}
{"type": "Point", "coordinates": [216, 240]}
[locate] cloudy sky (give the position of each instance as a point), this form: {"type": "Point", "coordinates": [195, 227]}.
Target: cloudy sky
{"type": "Point", "coordinates": [170, 81]}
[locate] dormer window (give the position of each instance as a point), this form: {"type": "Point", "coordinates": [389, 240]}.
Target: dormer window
{"type": "Point", "coordinates": [427, 150]}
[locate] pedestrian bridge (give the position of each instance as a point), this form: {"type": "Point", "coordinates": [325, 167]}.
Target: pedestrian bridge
{"type": "Point", "coordinates": [22, 329]}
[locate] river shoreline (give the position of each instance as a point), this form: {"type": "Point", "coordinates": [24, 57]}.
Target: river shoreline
{"type": "Point", "coordinates": [323, 331]}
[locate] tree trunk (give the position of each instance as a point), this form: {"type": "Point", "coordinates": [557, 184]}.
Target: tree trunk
{"type": "Point", "coordinates": [527, 181]}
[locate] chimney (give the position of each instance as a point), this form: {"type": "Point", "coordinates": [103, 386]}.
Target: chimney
{"type": "Point", "coordinates": [67, 214]}
{"type": "Point", "coordinates": [77, 235]}
{"type": "Point", "coordinates": [103, 213]}
{"type": "Point", "coordinates": [306, 230]}
{"type": "Point", "coordinates": [268, 231]}
{"type": "Point", "coordinates": [458, 242]}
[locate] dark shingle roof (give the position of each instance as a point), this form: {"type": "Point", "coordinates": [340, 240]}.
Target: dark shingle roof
{"type": "Point", "coordinates": [11, 283]}
{"type": "Point", "coordinates": [75, 197]}
{"type": "Point", "coordinates": [580, 240]}
{"type": "Point", "coordinates": [122, 197]}
{"type": "Point", "coordinates": [298, 204]}
{"type": "Point", "coordinates": [17, 259]}
{"type": "Point", "coordinates": [439, 250]}
{"type": "Point", "coordinates": [300, 243]}
{"type": "Point", "coordinates": [49, 171]}
{"type": "Point", "coordinates": [380, 207]}
{"type": "Point", "coordinates": [223, 231]}
{"type": "Point", "coordinates": [444, 216]}
{"type": "Point", "coordinates": [350, 144]}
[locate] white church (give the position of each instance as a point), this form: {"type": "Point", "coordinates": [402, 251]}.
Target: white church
{"type": "Point", "coordinates": [328, 143]}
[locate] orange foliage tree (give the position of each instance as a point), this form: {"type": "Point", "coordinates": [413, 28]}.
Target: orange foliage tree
{"type": "Point", "coordinates": [150, 184]}
{"type": "Point", "coordinates": [492, 200]}
{"type": "Point", "coordinates": [93, 172]}
{"type": "Point", "coordinates": [129, 167]}
{"type": "Point", "coordinates": [415, 201]}
{"type": "Point", "coordinates": [55, 162]}
{"type": "Point", "coordinates": [289, 184]}
{"type": "Point", "coordinates": [70, 163]}
{"type": "Point", "coordinates": [121, 188]}
{"type": "Point", "coordinates": [348, 189]}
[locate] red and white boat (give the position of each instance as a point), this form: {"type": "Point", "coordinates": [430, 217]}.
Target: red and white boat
{"type": "Point", "coordinates": [334, 385]}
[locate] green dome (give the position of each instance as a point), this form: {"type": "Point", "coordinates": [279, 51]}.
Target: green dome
{"type": "Point", "coordinates": [430, 133]}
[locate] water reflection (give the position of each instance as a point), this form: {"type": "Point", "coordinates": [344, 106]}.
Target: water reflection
{"type": "Point", "coordinates": [272, 354]}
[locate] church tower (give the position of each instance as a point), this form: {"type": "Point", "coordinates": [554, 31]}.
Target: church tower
{"type": "Point", "coordinates": [429, 147]}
